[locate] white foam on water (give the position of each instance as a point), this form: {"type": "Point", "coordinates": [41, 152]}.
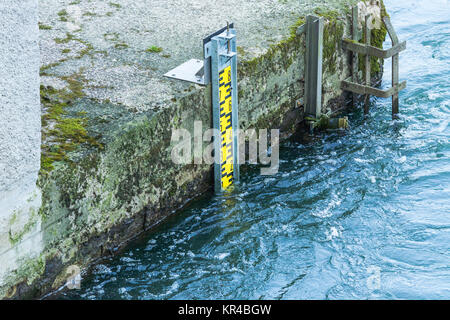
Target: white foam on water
{"type": "Point", "coordinates": [222, 256]}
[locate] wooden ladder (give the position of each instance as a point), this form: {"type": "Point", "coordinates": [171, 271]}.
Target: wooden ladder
{"type": "Point", "coordinates": [367, 50]}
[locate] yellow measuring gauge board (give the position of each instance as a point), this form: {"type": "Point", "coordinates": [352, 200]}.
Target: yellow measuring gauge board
{"type": "Point", "coordinates": [226, 128]}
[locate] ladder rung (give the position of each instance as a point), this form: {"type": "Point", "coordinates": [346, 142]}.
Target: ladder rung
{"type": "Point", "coordinates": [361, 89]}
{"type": "Point", "coordinates": [373, 51]}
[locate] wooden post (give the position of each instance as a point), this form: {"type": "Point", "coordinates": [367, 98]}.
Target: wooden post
{"type": "Point", "coordinates": [354, 54]}
{"type": "Point", "coordinates": [395, 70]}
{"type": "Point", "coordinates": [367, 35]}
{"type": "Point", "coordinates": [395, 67]}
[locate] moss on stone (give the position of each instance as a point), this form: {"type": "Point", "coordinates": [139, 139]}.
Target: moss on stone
{"type": "Point", "coordinates": [329, 15]}
{"type": "Point", "coordinates": [333, 32]}
{"type": "Point", "coordinates": [111, 36]}
{"type": "Point", "coordinates": [44, 27]}
{"type": "Point", "coordinates": [377, 37]}
{"type": "Point", "coordinates": [294, 27]}
{"type": "Point", "coordinates": [350, 41]}
{"type": "Point", "coordinates": [154, 49]}
{"type": "Point", "coordinates": [121, 45]}
{"type": "Point", "coordinates": [248, 67]}
{"type": "Point", "coordinates": [43, 69]}
{"type": "Point", "coordinates": [89, 14]}
{"type": "Point", "coordinates": [30, 270]}
{"type": "Point", "coordinates": [63, 15]}
{"type": "Point", "coordinates": [274, 118]}
{"type": "Point", "coordinates": [115, 5]}
{"type": "Point", "coordinates": [60, 133]}
{"type": "Point", "coordinates": [241, 52]}
{"type": "Point", "coordinates": [69, 37]}
{"type": "Point", "coordinates": [16, 237]}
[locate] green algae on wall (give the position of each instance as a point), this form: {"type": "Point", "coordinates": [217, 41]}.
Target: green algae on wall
{"type": "Point", "coordinates": [333, 32]}
{"type": "Point", "coordinates": [282, 47]}
{"type": "Point", "coordinates": [30, 270]}
{"type": "Point", "coordinates": [60, 132]}
{"type": "Point", "coordinates": [15, 236]}
{"type": "Point", "coordinates": [377, 37]}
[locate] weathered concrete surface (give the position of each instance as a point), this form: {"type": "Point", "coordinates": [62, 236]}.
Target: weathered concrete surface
{"type": "Point", "coordinates": [20, 135]}
{"type": "Point", "coordinates": [113, 38]}
{"type": "Point", "coordinates": [108, 112]}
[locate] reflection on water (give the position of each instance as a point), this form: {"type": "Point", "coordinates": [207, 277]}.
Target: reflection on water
{"type": "Point", "coordinates": [361, 215]}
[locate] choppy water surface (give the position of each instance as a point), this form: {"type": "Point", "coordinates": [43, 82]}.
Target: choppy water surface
{"type": "Point", "coordinates": [360, 215]}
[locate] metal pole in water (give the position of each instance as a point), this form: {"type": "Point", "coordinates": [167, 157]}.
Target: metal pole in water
{"type": "Point", "coordinates": [219, 68]}
{"type": "Point", "coordinates": [313, 77]}
{"type": "Point", "coordinates": [225, 108]}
